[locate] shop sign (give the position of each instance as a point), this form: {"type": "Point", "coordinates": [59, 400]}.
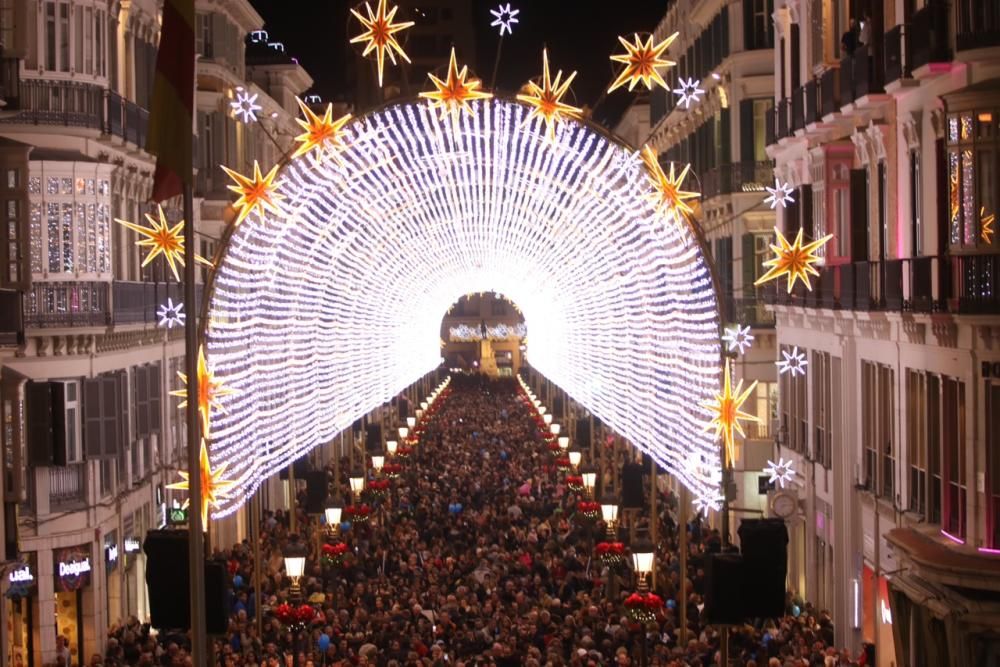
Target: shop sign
{"type": "Point", "coordinates": [21, 579]}
{"type": "Point", "coordinates": [73, 568]}
{"type": "Point", "coordinates": [111, 551]}
{"type": "Point", "coordinates": [132, 545]}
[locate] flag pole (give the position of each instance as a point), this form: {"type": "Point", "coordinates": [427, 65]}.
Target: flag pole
{"type": "Point", "coordinates": [196, 536]}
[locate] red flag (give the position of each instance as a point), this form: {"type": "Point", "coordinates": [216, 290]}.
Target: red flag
{"type": "Point", "coordinates": [170, 118]}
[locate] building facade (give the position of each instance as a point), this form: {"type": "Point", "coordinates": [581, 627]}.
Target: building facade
{"type": "Point", "coordinates": [90, 435]}
{"type": "Point", "coordinates": [885, 123]}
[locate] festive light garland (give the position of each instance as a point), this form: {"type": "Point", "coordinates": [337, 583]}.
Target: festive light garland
{"type": "Point", "coordinates": [380, 35]}
{"type": "Point", "coordinates": [779, 195]}
{"type": "Point", "coordinates": [738, 337]}
{"type": "Point", "coordinates": [463, 333]}
{"type": "Point", "coordinates": [782, 472]}
{"type": "Point", "coordinates": [326, 310]}
{"type": "Point", "coordinates": [245, 105]}
{"type": "Point", "coordinates": [171, 314]}
{"type": "Point", "coordinates": [504, 18]}
{"type": "Point", "coordinates": [689, 92]}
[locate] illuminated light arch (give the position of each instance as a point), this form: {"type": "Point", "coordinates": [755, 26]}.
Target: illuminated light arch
{"type": "Point", "coordinates": [325, 311]}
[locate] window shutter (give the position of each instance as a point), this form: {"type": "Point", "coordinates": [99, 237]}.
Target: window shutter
{"type": "Point", "coordinates": [725, 141]}
{"type": "Point", "coordinates": [217, 37]}
{"type": "Point", "coordinates": [748, 26]}
{"type": "Point", "coordinates": [119, 408]}
{"type": "Point", "coordinates": [109, 414]}
{"type": "Point", "coordinates": [747, 259]}
{"type": "Point", "coordinates": [154, 398]}
{"type": "Point", "coordinates": [38, 409]}
{"type": "Point", "coordinates": [141, 376]}
{"type": "Point", "coordinates": [805, 196]}
{"type": "Point", "coordinates": [859, 215]}
{"type": "Point", "coordinates": [93, 425]}
{"type": "Point", "coordinates": [746, 131]}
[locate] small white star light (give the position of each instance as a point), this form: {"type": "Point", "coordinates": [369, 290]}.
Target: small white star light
{"type": "Point", "coordinates": [688, 92]}
{"type": "Point", "coordinates": [505, 18]}
{"type": "Point", "coordinates": [245, 105]}
{"type": "Point", "coordinates": [738, 337]}
{"type": "Point", "coordinates": [779, 195]}
{"type": "Point", "coordinates": [781, 472]}
{"type": "Point", "coordinates": [794, 362]}
{"type": "Point", "coordinates": [171, 314]}
{"type": "Point", "coordinates": [703, 505]}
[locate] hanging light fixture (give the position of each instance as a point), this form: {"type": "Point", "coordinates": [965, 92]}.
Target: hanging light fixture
{"type": "Point", "coordinates": [541, 408]}
{"type": "Point", "coordinates": [547, 419]}
{"type": "Point", "coordinates": [609, 512]}
{"type": "Point", "coordinates": [403, 432]}
{"type": "Point", "coordinates": [423, 405]}
{"type": "Point", "coordinates": [377, 462]}
{"type": "Point", "coordinates": [419, 413]}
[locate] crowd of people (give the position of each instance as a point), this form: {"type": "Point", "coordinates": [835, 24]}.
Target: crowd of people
{"type": "Point", "coordinates": [474, 556]}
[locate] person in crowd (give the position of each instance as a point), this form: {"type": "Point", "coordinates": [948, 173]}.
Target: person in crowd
{"type": "Point", "coordinates": [849, 40]}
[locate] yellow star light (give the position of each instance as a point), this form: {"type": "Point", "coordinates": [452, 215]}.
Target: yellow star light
{"type": "Point", "coordinates": [256, 192]}
{"type": "Point", "coordinates": [667, 196]}
{"type": "Point", "coordinates": [794, 260]}
{"type": "Point", "coordinates": [546, 99]}
{"type": "Point", "coordinates": [162, 239]}
{"type": "Point", "coordinates": [213, 487]}
{"type": "Point", "coordinates": [380, 35]}
{"type": "Point", "coordinates": [322, 133]}
{"type": "Point", "coordinates": [642, 62]}
{"type": "Point", "coordinates": [210, 390]}
{"type": "Point", "coordinates": [727, 413]}
{"type": "Point", "coordinates": [986, 226]}
{"type": "Point", "coordinates": [455, 94]}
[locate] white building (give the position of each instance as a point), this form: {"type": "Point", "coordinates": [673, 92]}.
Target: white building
{"type": "Point", "coordinates": [78, 323]}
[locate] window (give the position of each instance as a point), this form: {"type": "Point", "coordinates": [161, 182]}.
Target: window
{"type": "Point", "coordinates": [8, 24]}
{"type": "Point", "coordinates": [50, 36]}
{"type": "Point", "coordinates": [794, 418]}
{"type": "Point", "coordinates": [916, 436]}
{"type": "Point", "coordinates": [916, 196]}
{"type": "Point", "coordinates": [70, 226]}
{"type": "Point", "coordinates": [203, 38]}
{"type": "Point", "coordinates": [63, 37]}
{"type": "Point", "coordinates": [953, 452]}
{"type": "Point", "coordinates": [877, 431]}
{"type": "Point", "coordinates": [992, 395]}
{"type": "Point", "coordinates": [822, 382]}
{"type": "Point", "coordinates": [973, 143]}
{"type": "Point", "coordinates": [766, 396]}
{"type": "Point", "coordinates": [761, 110]}
{"type": "Point", "coordinates": [840, 207]}
{"type": "Point", "coordinates": [758, 33]}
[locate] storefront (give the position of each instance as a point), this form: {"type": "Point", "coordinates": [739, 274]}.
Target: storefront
{"type": "Point", "coordinates": [876, 617]}
{"type": "Point", "coordinates": [22, 647]}
{"type": "Point", "coordinates": [72, 569]}
{"type": "Point", "coordinates": [112, 581]}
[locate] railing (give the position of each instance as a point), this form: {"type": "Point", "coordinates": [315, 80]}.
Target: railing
{"type": "Point", "coordinates": [811, 90]}
{"type": "Point", "coordinates": [737, 177]}
{"type": "Point", "coordinates": [846, 80]}
{"type": "Point", "coordinates": [139, 302]}
{"type": "Point", "coordinates": [750, 312]}
{"type": "Point", "coordinates": [928, 29]}
{"type": "Point", "coordinates": [975, 283]}
{"type": "Point", "coordinates": [978, 24]}
{"type": "Point", "coordinates": [758, 431]}
{"type": "Point", "coordinates": [829, 92]}
{"type": "Point", "coordinates": [897, 60]}
{"type": "Point", "coordinates": [10, 88]}
{"type": "Point", "coordinates": [770, 129]}
{"type": "Point", "coordinates": [868, 74]}
{"type": "Point", "coordinates": [781, 109]}
{"type": "Point", "coordinates": [67, 485]}
{"type": "Point", "coordinates": [126, 119]}
{"type": "Point", "coordinates": [11, 321]}
{"type": "Point", "coordinates": [798, 106]}
{"type": "Point", "coordinates": [66, 304]}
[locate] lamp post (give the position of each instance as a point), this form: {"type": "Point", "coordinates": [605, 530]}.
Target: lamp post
{"type": "Point", "coordinates": [563, 443]}
{"type": "Point", "coordinates": [589, 475]}
{"type": "Point", "coordinates": [574, 456]}
{"type": "Point", "coordinates": [643, 559]}
{"type": "Point", "coordinates": [334, 514]}
{"type": "Point", "coordinates": [391, 446]}
{"type": "Point", "coordinates": [377, 462]}
{"type": "Point", "coordinates": [403, 432]}
{"type": "Point", "coordinates": [295, 563]}
{"type": "Point", "coordinates": [357, 480]}
{"type": "Point", "coordinates": [411, 422]}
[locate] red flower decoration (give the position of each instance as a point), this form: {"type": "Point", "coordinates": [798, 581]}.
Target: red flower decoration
{"type": "Point", "coordinates": [378, 484]}
{"type": "Point", "coordinates": [588, 507]}
{"type": "Point", "coordinates": [563, 462]}
{"type": "Point", "coordinates": [337, 549]}
{"type": "Point", "coordinates": [610, 548]}
{"type": "Point", "coordinates": [285, 613]}
{"type": "Point", "coordinates": [574, 480]}
{"type": "Point", "coordinates": [554, 447]}
{"type": "Point", "coordinates": [305, 614]}
{"type": "Point", "coordinates": [358, 510]}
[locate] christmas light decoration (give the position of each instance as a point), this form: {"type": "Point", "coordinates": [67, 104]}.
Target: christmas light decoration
{"type": "Point", "coordinates": [986, 226]}
{"type": "Point", "coordinates": [738, 337]}
{"type": "Point", "coordinates": [245, 105]}
{"type": "Point", "coordinates": [171, 314]}
{"type": "Point", "coordinates": [162, 239]}
{"type": "Point", "coordinates": [621, 307]}
{"type": "Point", "coordinates": [547, 98]}
{"type": "Point", "coordinates": [779, 195]}
{"type": "Point", "coordinates": [213, 487]}
{"type": "Point", "coordinates": [704, 504]}
{"type": "Point", "coordinates": [323, 134]}
{"type": "Point", "coordinates": [210, 390]}
{"type": "Point", "coordinates": [380, 35]}
{"type": "Point", "coordinates": [794, 260]}
{"type": "Point", "coordinates": [688, 92]}
{"type": "Point", "coordinates": [463, 333]}
{"type": "Point", "coordinates": [256, 192]}
{"type": "Point", "coordinates": [726, 412]}
{"type": "Point", "coordinates": [454, 94]}
{"type": "Point", "coordinates": [504, 18]}
{"type": "Point", "coordinates": [782, 472]}
{"type": "Point", "coordinates": [794, 362]}
{"type": "Point", "coordinates": [667, 195]}
{"type": "Point", "coordinates": [643, 62]}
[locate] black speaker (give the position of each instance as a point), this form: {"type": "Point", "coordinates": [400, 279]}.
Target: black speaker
{"type": "Point", "coordinates": [724, 597]}
{"type": "Point", "coordinates": [301, 466]}
{"type": "Point", "coordinates": [316, 491]}
{"type": "Point", "coordinates": [404, 408]}
{"type": "Point", "coordinates": [557, 406]}
{"type": "Point", "coordinates": [647, 463]}
{"type": "Point", "coordinates": [583, 433]}
{"type": "Point", "coordinates": [373, 438]}
{"type": "Point", "coordinates": [167, 575]}
{"type": "Point", "coordinates": [216, 619]}
{"type": "Point", "coordinates": [632, 494]}
{"type": "Point", "coordinates": [764, 544]}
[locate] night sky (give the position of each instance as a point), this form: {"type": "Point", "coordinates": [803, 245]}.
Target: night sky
{"type": "Point", "coordinates": [580, 36]}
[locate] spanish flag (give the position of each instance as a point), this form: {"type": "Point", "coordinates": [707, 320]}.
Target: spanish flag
{"type": "Point", "coordinates": [170, 118]}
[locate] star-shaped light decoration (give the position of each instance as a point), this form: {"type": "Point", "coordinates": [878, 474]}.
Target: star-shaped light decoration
{"type": "Point", "coordinates": [380, 35]}
{"type": "Point", "coordinates": [794, 362]}
{"type": "Point", "coordinates": [986, 226]}
{"type": "Point", "coordinates": [794, 260]}
{"type": "Point", "coordinates": [256, 192]}
{"type": "Point", "coordinates": [210, 390]}
{"type": "Point", "coordinates": [738, 337]}
{"type": "Point", "coordinates": [171, 314]}
{"type": "Point", "coordinates": [779, 195]}
{"type": "Point", "coordinates": [213, 487]}
{"type": "Point", "coordinates": [322, 133]}
{"type": "Point", "coordinates": [781, 472]}
{"type": "Point", "coordinates": [703, 505]}
{"type": "Point", "coordinates": [505, 18]}
{"type": "Point", "coordinates": [689, 91]}
{"type": "Point", "coordinates": [453, 95]}
{"type": "Point", "coordinates": [643, 62]}
{"type": "Point", "coordinates": [667, 194]}
{"type": "Point", "coordinates": [245, 105]}
{"type": "Point", "coordinates": [162, 239]}
{"type": "Point", "coordinates": [546, 99]}
{"type": "Point", "coordinates": [726, 412]}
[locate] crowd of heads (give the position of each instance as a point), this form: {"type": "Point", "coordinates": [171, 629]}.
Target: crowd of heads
{"type": "Point", "coordinates": [475, 556]}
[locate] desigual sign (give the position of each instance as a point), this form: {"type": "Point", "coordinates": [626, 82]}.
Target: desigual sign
{"type": "Point", "coordinates": [75, 568]}
{"type": "Point", "coordinates": [72, 568]}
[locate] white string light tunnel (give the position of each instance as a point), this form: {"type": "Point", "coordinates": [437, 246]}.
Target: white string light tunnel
{"type": "Point", "coordinates": [328, 310]}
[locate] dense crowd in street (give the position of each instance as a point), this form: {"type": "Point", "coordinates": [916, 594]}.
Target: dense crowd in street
{"type": "Point", "coordinates": [475, 556]}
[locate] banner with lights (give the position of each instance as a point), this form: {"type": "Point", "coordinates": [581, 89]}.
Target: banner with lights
{"type": "Point", "coordinates": [328, 307]}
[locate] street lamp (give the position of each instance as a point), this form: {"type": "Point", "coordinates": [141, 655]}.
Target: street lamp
{"type": "Point", "coordinates": [411, 421]}
{"type": "Point", "coordinates": [334, 513]}
{"type": "Point", "coordinates": [575, 456]}
{"type": "Point", "coordinates": [547, 419]}
{"type": "Point", "coordinates": [357, 480]}
{"type": "Point", "coordinates": [642, 562]}
{"type": "Point", "coordinates": [390, 446]}
{"type": "Point", "coordinates": [403, 432]}
{"type": "Point", "coordinates": [609, 513]}
{"type": "Point", "coordinates": [423, 405]}
{"type": "Point", "coordinates": [564, 442]}
{"type": "Point", "coordinates": [377, 462]}
{"type": "Point", "coordinates": [589, 475]}
{"type": "Point", "coordinates": [541, 409]}
{"type": "Point", "coordinates": [419, 413]}
{"type": "Point", "coordinates": [555, 428]}
{"type": "Point", "coordinates": [295, 563]}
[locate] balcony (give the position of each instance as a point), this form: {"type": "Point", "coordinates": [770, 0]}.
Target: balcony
{"type": "Point", "coordinates": [126, 120]}
{"type": "Point", "coordinates": [811, 91]}
{"type": "Point", "coordinates": [897, 58]}
{"type": "Point", "coordinates": [798, 107]}
{"type": "Point", "coordinates": [11, 322]}
{"type": "Point", "coordinates": [737, 177]}
{"type": "Point", "coordinates": [781, 114]}
{"type": "Point", "coordinates": [751, 312]}
{"type": "Point", "coordinates": [829, 92]}
{"type": "Point", "coordinates": [100, 304]}
{"type": "Point", "coordinates": [138, 303]}
{"type": "Point", "coordinates": [975, 284]}
{"type": "Point", "coordinates": [929, 31]}
{"type": "Point", "coordinates": [769, 129]}
{"type": "Point", "coordinates": [978, 24]}
{"type": "Point", "coordinates": [68, 486]}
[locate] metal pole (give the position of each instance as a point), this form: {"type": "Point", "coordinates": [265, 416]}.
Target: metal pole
{"type": "Point", "coordinates": [292, 496]}
{"type": "Point", "coordinates": [653, 518]}
{"type": "Point", "coordinates": [196, 536]}
{"type": "Point", "coordinates": [258, 566]}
